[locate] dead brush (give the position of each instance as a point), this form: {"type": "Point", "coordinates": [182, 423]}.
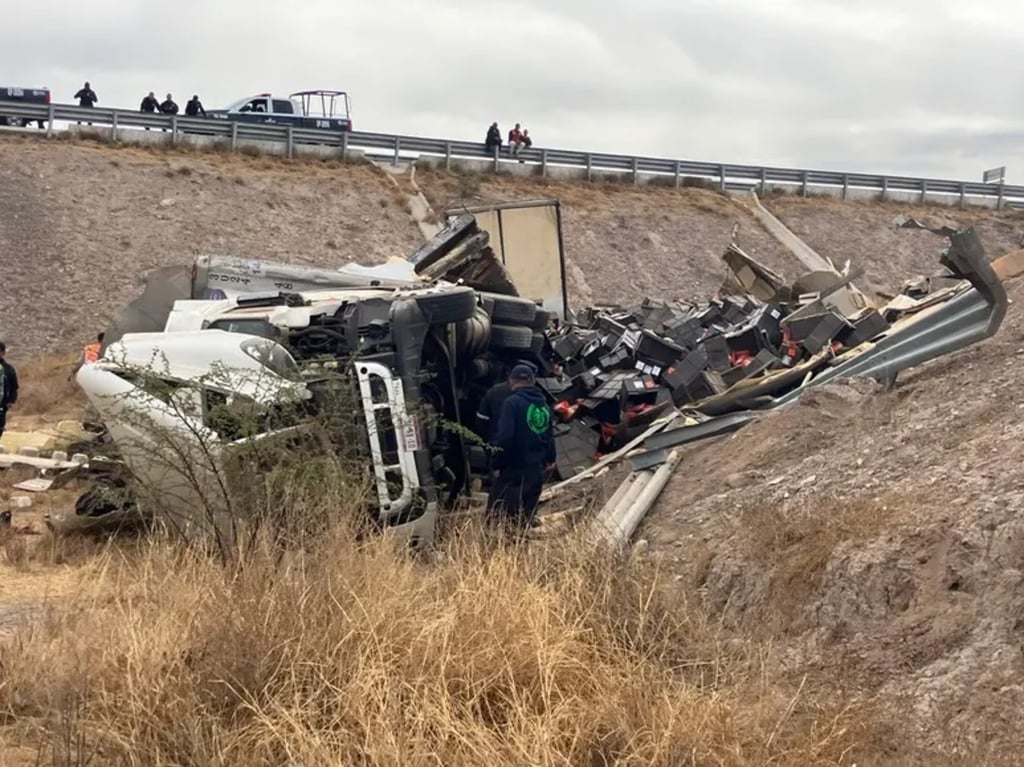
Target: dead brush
{"type": "Point", "coordinates": [45, 388]}
{"type": "Point", "coordinates": [797, 545]}
{"type": "Point", "coordinates": [351, 652]}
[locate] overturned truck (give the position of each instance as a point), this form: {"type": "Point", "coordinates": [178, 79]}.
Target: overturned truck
{"type": "Point", "coordinates": [419, 342]}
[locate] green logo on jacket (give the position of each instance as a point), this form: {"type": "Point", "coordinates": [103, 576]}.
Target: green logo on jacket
{"type": "Point", "coordinates": [538, 418]}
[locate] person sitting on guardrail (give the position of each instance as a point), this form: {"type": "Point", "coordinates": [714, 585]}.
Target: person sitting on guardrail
{"type": "Point", "coordinates": [493, 141]}
{"type": "Point", "coordinates": [515, 140]}
{"type": "Point", "coordinates": [525, 142]}
{"type": "Point", "coordinates": [194, 107]}
{"type": "Point", "coordinates": [168, 107]}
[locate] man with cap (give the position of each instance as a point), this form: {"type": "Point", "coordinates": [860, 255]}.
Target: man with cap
{"type": "Point", "coordinates": [489, 411]}
{"type": "Point", "coordinates": [8, 386]}
{"type": "Point", "coordinates": [524, 447]}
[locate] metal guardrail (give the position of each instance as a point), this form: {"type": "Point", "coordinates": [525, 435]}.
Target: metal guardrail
{"type": "Point", "coordinates": [723, 175]}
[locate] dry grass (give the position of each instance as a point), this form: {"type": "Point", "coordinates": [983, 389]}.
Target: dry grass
{"type": "Point", "coordinates": [358, 654]}
{"type": "Point", "coordinates": [44, 388]}
{"type": "Point", "coordinates": [795, 546]}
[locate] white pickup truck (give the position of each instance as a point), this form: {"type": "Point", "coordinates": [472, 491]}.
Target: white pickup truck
{"type": "Point", "coordinates": [323, 109]}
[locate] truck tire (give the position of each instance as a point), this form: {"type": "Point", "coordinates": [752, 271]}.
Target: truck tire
{"type": "Point", "coordinates": [447, 305]}
{"type": "Point", "coordinates": [511, 337]}
{"type": "Point", "coordinates": [512, 311]}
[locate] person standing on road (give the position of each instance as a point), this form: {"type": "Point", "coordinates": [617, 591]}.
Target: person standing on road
{"type": "Point", "coordinates": [8, 386]}
{"type": "Point", "coordinates": [168, 107]}
{"type": "Point", "coordinates": [86, 97]}
{"type": "Point", "coordinates": [149, 104]}
{"type": "Point", "coordinates": [525, 445]}
{"type": "Point", "coordinates": [194, 107]}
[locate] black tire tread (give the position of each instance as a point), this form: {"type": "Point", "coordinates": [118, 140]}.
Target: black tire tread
{"type": "Point", "coordinates": [511, 337]}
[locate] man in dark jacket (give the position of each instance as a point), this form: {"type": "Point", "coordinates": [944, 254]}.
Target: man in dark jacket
{"type": "Point", "coordinates": [524, 449]}
{"type": "Point", "coordinates": [489, 411]}
{"type": "Point", "coordinates": [86, 97]}
{"type": "Point", "coordinates": [8, 386]}
{"type": "Point", "coordinates": [493, 140]}
{"type": "Point", "coordinates": [194, 107]}
{"type": "Point", "coordinates": [168, 107]}
{"type": "Point", "coordinates": [149, 104]}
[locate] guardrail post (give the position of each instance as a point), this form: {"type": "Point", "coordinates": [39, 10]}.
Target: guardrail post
{"type": "Point", "coordinates": [398, 148]}
{"type": "Point", "coordinates": [113, 127]}
{"type": "Point", "coordinates": [636, 172]}
{"type": "Point", "coordinates": [497, 151]}
{"type": "Point", "coordinates": [846, 186]}
{"type": "Point", "coordinates": [590, 167]}
{"type": "Point", "coordinates": [924, 191]}
{"type": "Point", "coordinates": [234, 136]}
{"type": "Point", "coordinates": [885, 187]}
{"type": "Point", "coordinates": [344, 146]}
{"type": "Point", "coordinates": [999, 200]}
{"type": "Point", "coordinates": [803, 184]}
{"type": "Point", "coordinates": [764, 182]}
{"type": "Point", "coordinates": [290, 141]}
{"type": "Point", "coordinates": [963, 195]}
{"type": "Point", "coordinates": [721, 173]}
{"type": "Point", "coordinates": [543, 163]}
{"type": "Point", "coordinates": [448, 155]}
{"type": "Point", "coordinates": [49, 125]}
{"type": "Point", "coordinates": [174, 129]}
{"type": "Point", "coordinates": [679, 173]}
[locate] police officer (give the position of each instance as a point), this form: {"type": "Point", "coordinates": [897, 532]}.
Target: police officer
{"type": "Point", "coordinates": [489, 411]}
{"type": "Point", "coordinates": [194, 107]}
{"type": "Point", "coordinates": [524, 448]}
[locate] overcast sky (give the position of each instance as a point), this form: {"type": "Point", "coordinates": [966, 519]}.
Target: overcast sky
{"type": "Point", "coordinates": [922, 87]}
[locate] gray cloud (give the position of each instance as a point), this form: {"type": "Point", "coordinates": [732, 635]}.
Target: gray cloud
{"type": "Point", "coordinates": [919, 87]}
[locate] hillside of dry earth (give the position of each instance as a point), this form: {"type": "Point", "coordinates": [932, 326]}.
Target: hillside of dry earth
{"type": "Point", "coordinates": [861, 232]}
{"type": "Point", "coordinates": [80, 222]}
{"type": "Point", "coordinates": [878, 539]}
{"type": "Point", "coordinates": [624, 242]}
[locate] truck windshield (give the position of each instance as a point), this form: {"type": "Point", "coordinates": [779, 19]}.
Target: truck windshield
{"type": "Point", "coordinates": [272, 356]}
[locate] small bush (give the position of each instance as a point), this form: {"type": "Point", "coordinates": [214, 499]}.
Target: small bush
{"type": "Point", "coordinates": [696, 182]}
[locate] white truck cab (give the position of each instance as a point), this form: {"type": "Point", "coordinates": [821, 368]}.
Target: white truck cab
{"type": "Point", "coordinates": [162, 398]}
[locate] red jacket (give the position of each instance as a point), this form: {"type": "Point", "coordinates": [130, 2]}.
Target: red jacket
{"type": "Point", "coordinates": [515, 135]}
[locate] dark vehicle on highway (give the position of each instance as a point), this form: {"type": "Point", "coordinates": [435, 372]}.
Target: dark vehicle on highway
{"type": "Point", "coordinates": [325, 110]}
{"type": "Point", "coordinates": [23, 96]}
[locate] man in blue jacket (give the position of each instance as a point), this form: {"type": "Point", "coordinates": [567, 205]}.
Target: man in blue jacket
{"type": "Point", "coordinates": [524, 447]}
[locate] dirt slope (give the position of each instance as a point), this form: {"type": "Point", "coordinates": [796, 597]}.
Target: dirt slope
{"type": "Point", "coordinates": [625, 242]}
{"type": "Point", "coordinates": [79, 223]}
{"type": "Point", "coordinates": [877, 539]}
